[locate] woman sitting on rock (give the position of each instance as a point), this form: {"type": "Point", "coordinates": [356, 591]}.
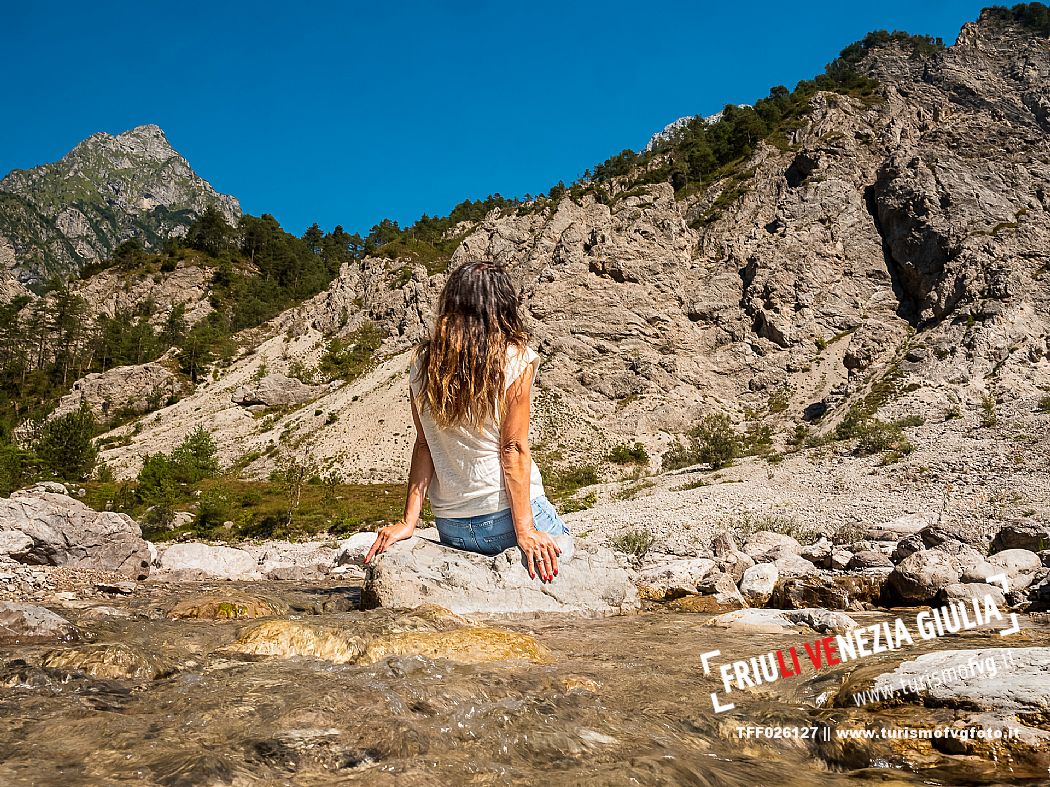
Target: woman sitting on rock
{"type": "Point", "coordinates": [470, 385]}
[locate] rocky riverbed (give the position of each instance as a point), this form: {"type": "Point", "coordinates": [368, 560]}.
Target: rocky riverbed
{"type": "Point", "coordinates": [874, 655]}
{"type": "Point", "coordinates": [268, 682]}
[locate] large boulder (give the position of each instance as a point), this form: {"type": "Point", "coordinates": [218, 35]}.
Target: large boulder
{"type": "Point", "coordinates": [65, 532]}
{"type": "Point", "coordinates": [923, 575]}
{"type": "Point", "coordinates": [193, 560]}
{"type": "Point", "coordinates": [274, 390]}
{"type": "Point", "coordinates": [1030, 534]}
{"type": "Point", "coordinates": [419, 571]}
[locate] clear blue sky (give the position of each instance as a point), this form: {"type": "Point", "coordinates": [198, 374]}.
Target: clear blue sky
{"type": "Point", "coordinates": [345, 113]}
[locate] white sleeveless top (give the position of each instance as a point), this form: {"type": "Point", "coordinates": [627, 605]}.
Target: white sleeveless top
{"type": "Point", "coordinates": [468, 476]}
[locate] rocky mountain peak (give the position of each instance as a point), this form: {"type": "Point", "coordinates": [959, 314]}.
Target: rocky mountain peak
{"type": "Point", "coordinates": [59, 217]}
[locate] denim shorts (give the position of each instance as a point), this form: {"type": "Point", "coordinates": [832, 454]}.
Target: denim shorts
{"type": "Point", "coordinates": [490, 534]}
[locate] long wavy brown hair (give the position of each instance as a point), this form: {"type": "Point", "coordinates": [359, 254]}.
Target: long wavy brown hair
{"type": "Point", "coordinates": [462, 364]}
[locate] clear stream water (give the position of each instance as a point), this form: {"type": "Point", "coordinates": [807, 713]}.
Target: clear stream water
{"type": "Point", "coordinates": [624, 701]}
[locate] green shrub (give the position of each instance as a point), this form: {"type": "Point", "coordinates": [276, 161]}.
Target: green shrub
{"type": "Point", "coordinates": [636, 543]}
{"type": "Point", "coordinates": [624, 454]}
{"type": "Point", "coordinates": [1044, 404]}
{"type": "Point", "coordinates": [878, 436]}
{"type": "Point", "coordinates": [988, 415]}
{"type": "Point", "coordinates": [717, 443]}
{"type": "Point", "coordinates": [713, 442]}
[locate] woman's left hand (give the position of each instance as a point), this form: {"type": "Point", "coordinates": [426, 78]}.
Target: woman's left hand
{"type": "Point", "coordinates": [390, 534]}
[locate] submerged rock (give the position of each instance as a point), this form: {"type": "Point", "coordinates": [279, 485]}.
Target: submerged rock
{"type": "Point", "coordinates": [429, 631]}
{"type": "Point", "coordinates": [471, 645]}
{"type": "Point", "coordinates": [774, 621]}
{"type": "Point", "coordinates": [300, 638]}
{"type": "Point", "coordinates": [116, 660]}
{"type": "Point", "coordinates": [418, 571]}
{"type": "Point", "coordinates": [231, 605]}
{"type": "Point", "coordinates": [25, 623]}
{"type": "Point", "coordinates": [65, 532]}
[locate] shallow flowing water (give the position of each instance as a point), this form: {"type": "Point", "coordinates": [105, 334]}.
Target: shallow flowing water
{"type": "Point", "coordinates": [622, 701]}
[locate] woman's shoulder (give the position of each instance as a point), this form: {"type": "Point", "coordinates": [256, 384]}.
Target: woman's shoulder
{"type": "Point", "coordinates": [518, 359]}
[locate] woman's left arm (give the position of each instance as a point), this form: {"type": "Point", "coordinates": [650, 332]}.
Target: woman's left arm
{"type": "Point", "coordinates": [419, 474]}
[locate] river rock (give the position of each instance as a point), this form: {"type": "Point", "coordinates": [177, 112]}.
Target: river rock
{"type": "Point", "coordinates": [65, 532]}
{"type": "Point", "coordinates": [27, 623]}
{"type": "Point", "coordinates": [869, 558]}
{"type": "Point", "coordinates": [757, 585]}
{"type": "Point", "coordinates": [193, 560]}
{"type": "Point", "coordinates": [673, 578]}
{"type": "Point", "coordinates": [907, 547]}
{"type": "Point", "coordinates": [590, 581]}
{"type": "Point", "coordinates": [765, 546]}
{"type": "Point", "coordinates": [723, 544]}
{"type": "Point", "coordinates": [836, 591]}
{"type": "Point", "coordinates": [300, 639]}
{"type": "Point", "coordinates": [302, 561]}
{"type": "Point", "coordinates": [964, 591]}
{"type": "Point", "coordinates": [1029, 534]}
{"type": "Point", "coordinates": [352, 550]}
{"type": "Point", "coordinates": [974, 568]}
{"type": "Point", "coordinates": [901, 527]}
{"type": "Point", "coordinates": [227, 605]}
{"type": "Point", "coordinates": [734, 564]}
{"type": "Point", "coordinates": [922, 575]}
{"type": "Point", "coordinates": [274, 390]}
{"type": "Point", "coordinates": [719, 594]}
{"type": "Point", "coordinates": [819, 552]}
{"type": "Point", "coordinates": [794, 566]}
{"type": "Point", "coordinates": [470, 645]}
{"type": "Point", "coordinates": [940, 534]}
{"type": "Point", "coordinates": [840, 559]}
{"type": "Point", "coordinates": [1022, 688]}
{"type": "Point", "coordinates": [1014, 562]}
{"type": "Point", "coordinates": [428, 631]}
{"type": "Point", "coordinates": [774, 621]}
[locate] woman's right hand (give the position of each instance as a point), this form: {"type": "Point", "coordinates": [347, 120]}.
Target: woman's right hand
{"type": "Point", "coordinates": [388, 535]}
{"type": "Point", "coordinates": [541, 554]}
